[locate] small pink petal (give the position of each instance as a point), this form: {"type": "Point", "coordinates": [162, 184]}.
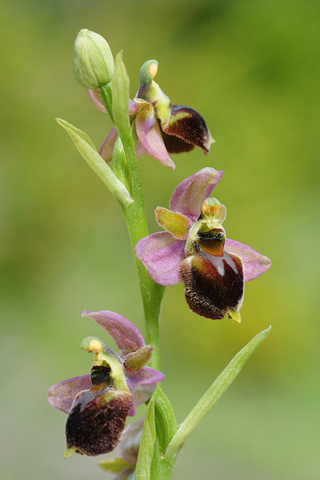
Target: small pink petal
{"type": "Point", "coordinates": [140, 150]}
{"type": "Point", "coordinates": [142, 385]}
{"type": "Point", "coordinates": [161, 254]}
{"type": "Point", "coordinates": [130, 442]}
{"type": "Point", "coordinates": [149, 134]}
{"type": "Point", "coordinates": [62, 395]}
{"type": "Point", "coordinates": [95, 98]}
{"type": "Point", "coordinates": [134, 107]}
{"type": "Point", "coordinates": [189, 195]}
{"type": "Point", "coordinates": [106, 149]}
{"type": "Point", "coordinates": [124, 333]}
{"type": "Point", "coordinates": [125, 474]}
{"type": "Point", "coordinates": [254, 264]}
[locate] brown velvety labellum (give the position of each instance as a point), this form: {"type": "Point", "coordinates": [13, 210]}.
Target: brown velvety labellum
{"type": "Point", "coordinates": [190, 126]}
{"type": "Point", "coordinates": [212, 284]}
{"type": "Point", "coordinates": [94, 424]}
{"type": "Point", "coordinates": [175, 144]}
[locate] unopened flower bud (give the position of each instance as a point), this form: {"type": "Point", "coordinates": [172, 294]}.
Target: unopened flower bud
{"type": "Point", "coordinates": [93, 62]}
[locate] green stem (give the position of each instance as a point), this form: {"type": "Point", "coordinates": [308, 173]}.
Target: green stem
{"type": "Point", "coordinates": [160, 470]}
{"type": "Point", "coordinates": [151, 292]}
{"type": "Point", "coordinates": [106, 97]}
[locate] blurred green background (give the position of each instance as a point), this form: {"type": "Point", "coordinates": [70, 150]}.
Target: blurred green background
{"type": "Point", "coordinates": [252, 70]}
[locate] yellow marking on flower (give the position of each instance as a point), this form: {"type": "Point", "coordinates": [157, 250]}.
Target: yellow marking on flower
{"type": "Point", "coordinates": [116, 369]}
{"type": "Point", "coordinates": [153, 70]}
{"type": "Point", "coordinates": [213, 212]}
{"type": "Point", "coordinates": [179, 116]}
{"type": "Point", "coordinates": [69, 451]}
{"type": "Point", "coordinates": [235, 315]}
{"type": "Point", "coordinates": [209, 209]}
{"type": "Point", "coordinates": [174, 222]}
{"type": "Point", "coordinates": [144, 104]}
{"type": "Point", "coordinates": [117, 374]}
{"type": "Point", "coordinates": [95, 346]}
{"type": "Point", "coordinates": [209, 213]}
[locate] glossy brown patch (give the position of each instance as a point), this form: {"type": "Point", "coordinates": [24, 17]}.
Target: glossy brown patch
{"type": "Point", "coordinates": [212, 284]}
{"type": "Point", "coordinates": [190, 126]}
{"type": "Point", "coordinates": [212, 242]}
{"type": "Point", "coordinates": [175, 144]}
{"type": "Point", "coordinates": [100, 377]}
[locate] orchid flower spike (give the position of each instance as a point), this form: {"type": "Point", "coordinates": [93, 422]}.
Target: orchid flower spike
{"type": "Point", "coordinates": [194, 249]}
{"type": "Point", "coordinates": [161, 127]}
{"type": "Point", "coordinates": [98, 404]}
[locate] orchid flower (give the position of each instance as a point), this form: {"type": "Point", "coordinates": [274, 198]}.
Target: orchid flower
{"type": "Point", "coordinates": [161, 127]}
{"type": "Point", "coordinates": [194, 249]}
{"type": "Point", "coordinates": [129, 449]}
{"type": "Point", "coordinates": [98, 404]}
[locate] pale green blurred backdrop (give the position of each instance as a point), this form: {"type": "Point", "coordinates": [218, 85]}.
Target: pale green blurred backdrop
{"type": "Point", "coordinates": [252, 69]}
